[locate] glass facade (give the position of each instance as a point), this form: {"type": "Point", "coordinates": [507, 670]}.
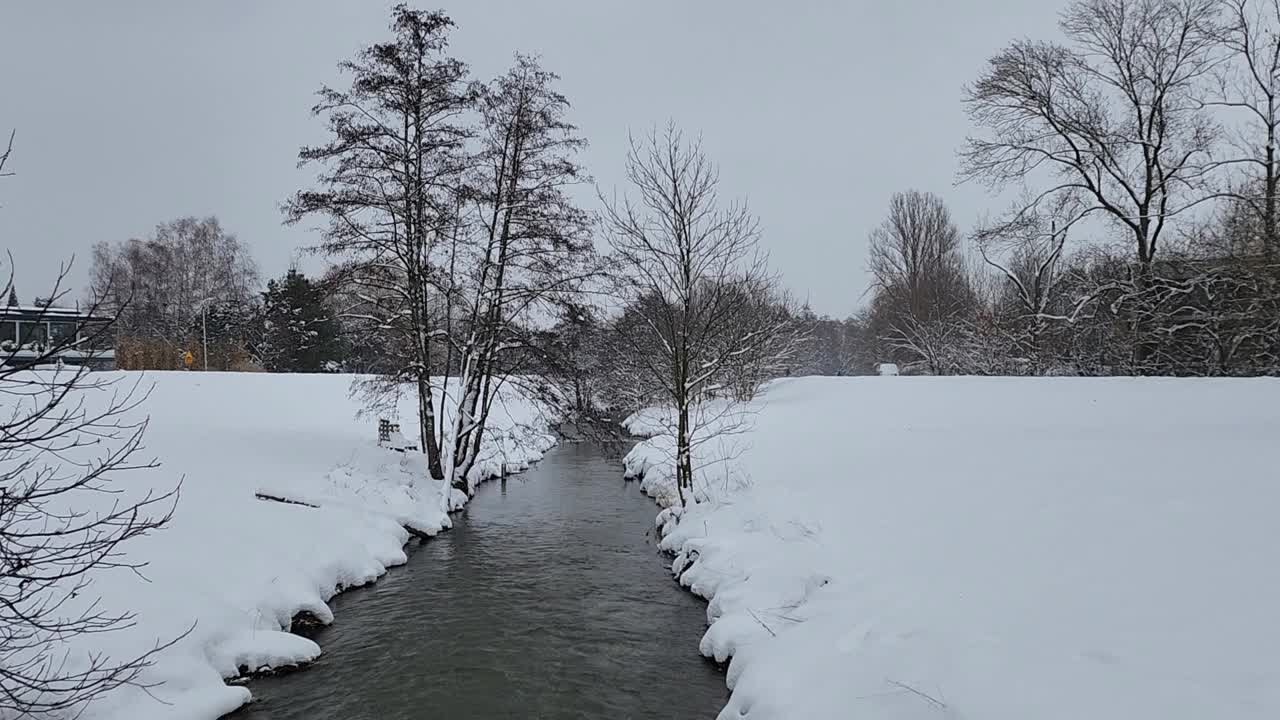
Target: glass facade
{"type": "Point", "coordinates": [62, 331]}
{"type": "Point", "coordinates": [32, 333]}
{"type": "Point", "coordinates": [29, 334]}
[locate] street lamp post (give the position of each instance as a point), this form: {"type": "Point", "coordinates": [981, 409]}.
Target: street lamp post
{"type": "Point", "coordinates": [204, 332]}
{"type": "Point", "coordinates": [204, 329]}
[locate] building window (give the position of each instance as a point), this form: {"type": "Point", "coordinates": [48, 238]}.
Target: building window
{"type": "Point", "coordinates": [32, 333]}
{"type": "Point", "coordinates": [62, 332]}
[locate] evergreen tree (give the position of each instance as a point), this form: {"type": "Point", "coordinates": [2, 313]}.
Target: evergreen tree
{"type": "Point", "coordinates": [232, 331]}
{"type": "Point", "coordinates": [299, 333]}
{"type": "Point", "coordinates": [13, 297]}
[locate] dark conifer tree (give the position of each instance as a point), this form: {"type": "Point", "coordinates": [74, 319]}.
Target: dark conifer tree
{"type": "Point", "coordinates": [299, 333]}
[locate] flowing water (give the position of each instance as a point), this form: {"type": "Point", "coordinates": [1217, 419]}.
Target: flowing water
{"type": "Point", "coordinates": [547, 599]}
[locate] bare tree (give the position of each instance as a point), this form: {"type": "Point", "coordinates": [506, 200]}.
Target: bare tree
{"type": "Point", "coordinates": [1249, 85]}
{"type": "Point", "coordinates": [389, 190]}
{"type": "Point", "coordinates": [161, 290]}
{"type": "Point", "coordinates": [944, 347]}
{"type": "Point", "coordinates": [1027, 254]}
{"type": "Point", "coordinates": [1114, 119]}
{"type": "Point", "coordinates": [831, 346]}
{"type": "Point", "coordinates": [918, 266]}
{"type": "Point", "coordinates": [68, 443]}
{"type": "Point", "coordinates": [762, 305]}
{"type": "Point", "coordinates": [688, 261]}
{"type": "Point", "coordinates": [525, 252]}
{"type": "Point", "coordinates": [574, 363]}
{"type": "Point", "coordinates": [8, 150]}
{"type": "Point", "coordinates": [916, 257]}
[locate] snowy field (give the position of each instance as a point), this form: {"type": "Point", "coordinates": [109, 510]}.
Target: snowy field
{"type": "Point", "coordinates": [235, 569]}
{"type": "Point", "coordinates": [991, 549]}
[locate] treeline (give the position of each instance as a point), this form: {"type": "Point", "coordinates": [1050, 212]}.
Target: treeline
{"type": "Point", "coordinates": [1143, 238]}
{"type": "Point", "coordinates": [192, 287]}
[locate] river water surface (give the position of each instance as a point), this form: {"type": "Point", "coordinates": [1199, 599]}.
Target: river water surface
{"type": "Point", "coordinates": [547, 599]}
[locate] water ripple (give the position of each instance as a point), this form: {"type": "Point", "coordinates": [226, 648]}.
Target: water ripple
{"type": "Point", "coordinates": [548, 599]}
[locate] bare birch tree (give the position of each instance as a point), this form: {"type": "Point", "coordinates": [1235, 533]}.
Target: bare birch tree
{"type": "Point", "coordinates": [687, 262]}
{"type": "Point", "coordinates": [160, 289]}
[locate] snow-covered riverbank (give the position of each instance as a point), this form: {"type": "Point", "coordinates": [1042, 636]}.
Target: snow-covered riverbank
{"type": "Point", "coordinates": [990, 548]}
{"type": "Point", "coordinates": [235, 569]}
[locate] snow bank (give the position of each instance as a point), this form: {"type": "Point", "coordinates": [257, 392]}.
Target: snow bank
{"type": "Point", "coordinates": [991, 548]}
{"type": "Point", "coordinates": [234, 570]}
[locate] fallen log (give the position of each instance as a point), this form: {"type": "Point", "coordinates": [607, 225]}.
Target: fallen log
{"type": "Point", "coordinates": [286, 501]}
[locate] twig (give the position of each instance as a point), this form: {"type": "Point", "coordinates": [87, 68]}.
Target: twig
{"type": "Point", "coordinates": [757, 619]}
{"type": "Point", "coordinates": [286, 501]}
{"type": "Point", "coordinates": [916, 692]}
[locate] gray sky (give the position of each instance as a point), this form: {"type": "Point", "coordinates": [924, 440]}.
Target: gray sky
{"type": "Point", "coordinates": [131, 113]}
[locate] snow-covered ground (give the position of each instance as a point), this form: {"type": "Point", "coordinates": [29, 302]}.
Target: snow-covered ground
{"type": "Point", "coordinates": [994, 549]}
{"type": "Point", "coordinates": [234, 569]}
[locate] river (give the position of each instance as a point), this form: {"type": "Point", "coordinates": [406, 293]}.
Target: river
{"type": "Point", "coordinates": [547, 599]}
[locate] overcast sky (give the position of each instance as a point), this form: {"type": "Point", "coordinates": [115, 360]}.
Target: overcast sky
{"type": "Point", "coordinates": [132, 113]}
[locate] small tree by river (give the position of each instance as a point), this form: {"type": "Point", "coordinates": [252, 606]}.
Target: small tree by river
{"type": "Point", "coordinates": [705, 318]}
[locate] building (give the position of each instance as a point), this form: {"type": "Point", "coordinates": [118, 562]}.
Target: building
{"type": "Point", "coordinates": [31, 335]}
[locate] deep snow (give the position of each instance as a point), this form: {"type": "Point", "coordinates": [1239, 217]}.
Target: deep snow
{"type": "Point", "coordinates": [235, 569]}
{"type": "Point", "coordinates": [995, 549]}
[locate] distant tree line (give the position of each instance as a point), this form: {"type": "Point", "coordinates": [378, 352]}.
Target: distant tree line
{"type": "Point", "coordinates": [1137, 158]}
{"type": "Point", "coordinates": [1141, 237]}
{"type": "Point", "coordinates": [192, 285]}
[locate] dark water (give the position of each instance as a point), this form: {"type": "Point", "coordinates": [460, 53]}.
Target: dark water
{"type": "Point", "coordinates": [548, 599]}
